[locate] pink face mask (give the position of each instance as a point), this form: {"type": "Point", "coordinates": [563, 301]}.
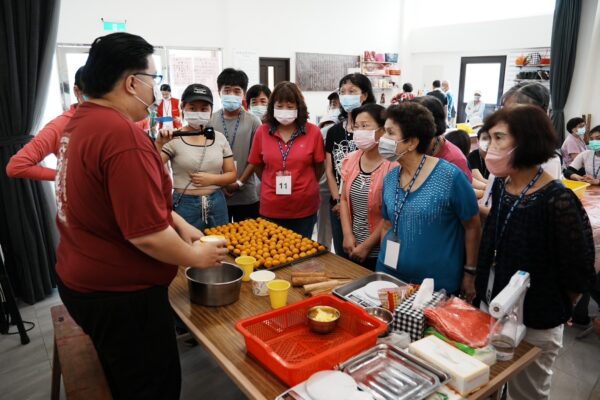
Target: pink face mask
{"type": "Point", "coordinates": [364, 140]}
{"type": "Point", "coordinates": [499, 162]}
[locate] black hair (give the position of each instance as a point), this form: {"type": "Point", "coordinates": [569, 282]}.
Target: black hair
{"type": "Point", "coordinates": [436, 83]}
{"type": "Point", "coordinates": [78, 82]}
{"type": "Point", "coordinates": [407, 87]}
{"type": "Point", "coordinates": [232, 77]}
{"type": "Point", "coordinates": [532, 131]}
{"type": "Point", "coordinates": [255, 91]}
{"type": "Point", "coordinates": [376, 112]}
{"type": "Point", "coordinates": [573, 122]}
{"type": "Point", "coordinates": [480, 132]}
{"type": "Point", "coordinates": [595, 129]}
{"type": "Point", "coordinates": [460, 139]}
{"type": "Point", "coordinates": [111, 57]}
{"type": "Point", "coordinates": [165, 87]}
{"type": "Point", "coordinates": [333, 96]}
{"type": "Point", "coordinates": [415, 121]}
{"type": "Point", "coordinates": [434, 105]}
{"type": "Point", "coordinates": [528, 93]}
{"type": "Point", "coordinates": [365, 86]}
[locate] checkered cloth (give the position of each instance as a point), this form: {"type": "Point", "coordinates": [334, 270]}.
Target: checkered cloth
{"type": "Point", "coordinates": [413, 321]}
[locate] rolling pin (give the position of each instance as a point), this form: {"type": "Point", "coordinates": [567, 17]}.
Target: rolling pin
{"type": "Point", "coordinates": [329, 284]}
{"type": "Point", "coordinates": [304, 274]}
{"type": "Point", "coordinates": [307, 278]}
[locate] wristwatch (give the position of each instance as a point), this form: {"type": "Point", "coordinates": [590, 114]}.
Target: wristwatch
{"type": "Point", "coordinates": [239, 183]}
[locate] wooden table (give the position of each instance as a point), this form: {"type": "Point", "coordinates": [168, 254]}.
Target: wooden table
{"type": "Point", "coordinates": [591, 202]}
{"type": "Point", "coordinates": [214, 327]}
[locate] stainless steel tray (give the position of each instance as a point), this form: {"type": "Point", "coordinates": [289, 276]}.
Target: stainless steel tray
{"type": "Point", "coordinates": [345, 291]}
{"type": "Point", "coordinates": [388, 373]}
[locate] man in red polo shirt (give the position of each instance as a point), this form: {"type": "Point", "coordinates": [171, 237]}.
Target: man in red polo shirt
{"type": "Point", "coordinates": [120, 242]}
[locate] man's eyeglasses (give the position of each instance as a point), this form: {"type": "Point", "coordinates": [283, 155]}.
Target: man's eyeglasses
{"type": "Point", "coordinates": [156, 77]}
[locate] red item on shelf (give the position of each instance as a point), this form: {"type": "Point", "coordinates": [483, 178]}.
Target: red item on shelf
{"type": "Point", "coordinates": [461, 322]}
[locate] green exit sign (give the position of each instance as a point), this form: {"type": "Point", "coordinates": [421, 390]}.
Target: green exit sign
{"type": "Point", "coordinates": [111, 26]}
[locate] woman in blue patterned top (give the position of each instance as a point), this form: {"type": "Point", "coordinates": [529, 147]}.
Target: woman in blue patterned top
{"type": "Point", "coordinates": [429, 208]}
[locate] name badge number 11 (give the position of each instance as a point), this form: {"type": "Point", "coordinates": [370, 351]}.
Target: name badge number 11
{"type": "Point", "coordinates": [283, 183]}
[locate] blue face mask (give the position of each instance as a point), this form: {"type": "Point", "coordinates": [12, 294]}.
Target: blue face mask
{"type": "Point", "coordinates": [85, 97]}
{"type": "Point", "coordinates": [350, 101]}
{"type": "Point", "coordinates": [581, 132]}
{"type": "Point", "coordinates": [230, 102]}
{"type": "Point", "coordinates": [259, 111]}
{"type": "Point", "coordinates": [594, 145]}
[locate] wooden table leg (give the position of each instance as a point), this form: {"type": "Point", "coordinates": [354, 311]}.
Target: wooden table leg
{"type": "Point", "coordinates": [55, 391]}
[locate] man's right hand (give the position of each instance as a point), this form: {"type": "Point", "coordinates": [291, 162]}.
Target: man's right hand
{"type": "Point", "coordinates": [209, 254]}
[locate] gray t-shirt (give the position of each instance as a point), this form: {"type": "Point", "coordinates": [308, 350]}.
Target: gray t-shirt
{"type": "Point", "coordinates": [240, 142]}
{"type": "Point", "coordinates": [186, 158]}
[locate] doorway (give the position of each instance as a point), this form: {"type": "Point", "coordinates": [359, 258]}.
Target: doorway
{"type": "Point", "coordinates": [484, 74]}
{"type": "Point", "coordinates": [273, 71]}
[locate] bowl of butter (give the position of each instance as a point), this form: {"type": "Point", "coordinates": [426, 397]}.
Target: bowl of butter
{"type": "Point", "coordinates": [322, 319]}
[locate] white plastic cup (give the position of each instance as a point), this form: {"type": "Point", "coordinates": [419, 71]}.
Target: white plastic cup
{"type": "Point", "coordinates": [259, 282]}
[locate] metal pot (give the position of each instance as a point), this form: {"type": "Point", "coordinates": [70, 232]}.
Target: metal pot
{"type": "Point", "coordinates": [216, 286]}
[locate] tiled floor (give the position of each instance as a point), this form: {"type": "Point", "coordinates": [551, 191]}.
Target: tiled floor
{"type": "Point", "coordinates": [25, 371]}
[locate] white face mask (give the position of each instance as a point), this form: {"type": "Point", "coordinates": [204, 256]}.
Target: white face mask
{"type": "Point", "coordinates": [196, 119]}
{"type": "Point", "coordinates": [484, 145]}
{"type": "Point", "coordinates": [151, 108]}
{"type": "Point", "coordinates": [285, 117]}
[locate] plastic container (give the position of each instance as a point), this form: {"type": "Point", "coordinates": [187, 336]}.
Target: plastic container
{"type": "Point", "coordinates": [246, 263]}
{"type": "Point", "coordinates": [278, 292]}
{"type": "Point", "coordinates": [577, 187]}
{"type": "Point", "coordinates": [282, 341]}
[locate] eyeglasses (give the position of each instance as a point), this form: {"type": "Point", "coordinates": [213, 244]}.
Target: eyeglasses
{"type": "Point", "coordinates": [156, 77]}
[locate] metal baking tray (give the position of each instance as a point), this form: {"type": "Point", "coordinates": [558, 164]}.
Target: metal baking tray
{"type": "Point", "coordinates": [388, 373]}
{"type": "Point", "coordinates": [296, 262]}
{"type": "Point", "coordinates": [345, 291]}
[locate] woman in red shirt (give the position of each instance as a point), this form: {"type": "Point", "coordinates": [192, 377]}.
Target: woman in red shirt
{"type": "Point", "coordinates": [25, 164]}
{"type": "Point", "coordinates": [288, 153]}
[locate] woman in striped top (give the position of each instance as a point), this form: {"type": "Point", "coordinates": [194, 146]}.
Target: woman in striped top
{"type": "Point", "coordinates": [362, 176]}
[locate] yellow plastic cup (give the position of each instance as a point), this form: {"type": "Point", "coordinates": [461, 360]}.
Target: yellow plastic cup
{"type": "Point", "coordinates": [247, 264]}
{"type": "Point", "coordinates": [278, 292]}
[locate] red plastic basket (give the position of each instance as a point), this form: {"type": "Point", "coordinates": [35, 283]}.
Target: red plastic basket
{"type": "Point", "coordinates": [282, 342]}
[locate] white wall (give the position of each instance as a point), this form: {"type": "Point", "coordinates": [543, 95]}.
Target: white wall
{"type": "Point", "coordinates": [585, 87]}
{"type": "Point", "coordinates": [440, 48]}
{"type": "Point", "coordinates": [272, 28]}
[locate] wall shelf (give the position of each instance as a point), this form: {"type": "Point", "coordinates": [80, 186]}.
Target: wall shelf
{"type": "Point", "coordinates": [533, 66]}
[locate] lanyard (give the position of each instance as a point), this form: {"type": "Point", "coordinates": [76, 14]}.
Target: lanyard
{"type": "Point", "coordinates": [167, 109]}
{"type": "Point", "coordinates": [237, 125]}
{"type": "Point", "coordinates": [512, 209]}
{"type": "Point", "coordinates": [290, 143]}
{"type": "Point", "coordinates": [594, 170]}
{"type": "Point", "coordinates": [492, 275]}
{"type": "Point", "coordinates": [398, 206]}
